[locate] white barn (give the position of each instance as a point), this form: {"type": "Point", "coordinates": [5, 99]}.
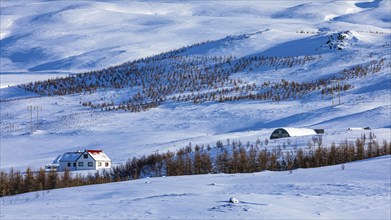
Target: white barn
{"type": "Point", "coordinates": [83, 160]}
{"type": "Point", "coordinates": [291, 132]}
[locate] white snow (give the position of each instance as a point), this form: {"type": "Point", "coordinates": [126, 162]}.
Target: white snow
{"type": "Point", "coordinates": [12, 79]}
{"type": "Point", "coordinates": [48, 39]}
{"type": "Point", "coordinates": [359, 191]}
{"type": "Point", "coordinates": [50, 36]}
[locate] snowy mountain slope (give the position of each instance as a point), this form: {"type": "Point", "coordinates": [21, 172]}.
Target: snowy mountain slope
{"type": "Point", "coordinates": [253, 31]}
{"type": "Point", "coordinates": [375, 12]}
{"type": "Point", "coordinates": [51, 36]}
{"type": "Point", "coordinates": [359, 191]}
{"type": "Point", "coordinates": [319, 11]}
{"type": "Point", "coordinates": [73, 24]}
{"type": "Point", "coordinates": [293, 49]}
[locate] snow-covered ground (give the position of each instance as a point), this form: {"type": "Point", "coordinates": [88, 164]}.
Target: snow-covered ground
{"type": "Point", "coordinates": [15, 78]}
{"type": "Point", "coordinates": [62, 29]}
{"type": "Point", "coordinates": [83, 35]}
{"type": "Point", "coordinates": [48, 39]}
{"type": "Point", "coordinates": [359, 191]}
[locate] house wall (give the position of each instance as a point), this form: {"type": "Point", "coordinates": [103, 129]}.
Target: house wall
{"type": "Point", "coordinates": [103, 164]}
{"type": "Point", "coordinates": [63, 165]}
{"type": "Point", "coordinates": [85, 162]}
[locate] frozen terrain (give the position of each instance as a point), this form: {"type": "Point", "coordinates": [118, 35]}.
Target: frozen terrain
{"type": "Point", "coordinates": [294, 28]}
{"type": "Point", "coordinates": [43, 40]}
{"type": "Point", "coordinates": [360, 191]}
{"type": "Point", "coordinates": [84, 35]}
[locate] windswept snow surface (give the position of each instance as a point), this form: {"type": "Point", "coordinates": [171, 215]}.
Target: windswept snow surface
{"type": "Point", "coordinates": [84, 35]}
{"type": "Point", "coordinates": [359, 191]}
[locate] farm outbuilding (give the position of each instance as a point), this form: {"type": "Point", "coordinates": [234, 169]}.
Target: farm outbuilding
{"type": "Point", "coordinates": [291, 132]}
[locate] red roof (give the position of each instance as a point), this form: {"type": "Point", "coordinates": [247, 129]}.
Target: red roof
{"type": "Point", "coordinates": [94, 151]}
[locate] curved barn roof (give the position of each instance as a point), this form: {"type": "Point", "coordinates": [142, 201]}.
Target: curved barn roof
{"type": "Point", "coordinates": [293, 132]}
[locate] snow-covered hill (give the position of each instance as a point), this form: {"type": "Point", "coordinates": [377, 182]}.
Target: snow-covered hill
{"type": "Point", "coordinates": [85, 35]}
{"type": "Point", "coordinates": [286, 34]}
{"type": "Point", "coordinates": [252, 66]}
{"type": "Point", "coordinates": [52, 36]}
{"type": "Point", "coordinates": [359, 191]}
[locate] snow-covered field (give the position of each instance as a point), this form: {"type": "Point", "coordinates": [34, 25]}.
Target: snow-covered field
{"type": "Point", "coordinates": [48, 39]}
{"type": "Point", "coordinates": [360, 191]}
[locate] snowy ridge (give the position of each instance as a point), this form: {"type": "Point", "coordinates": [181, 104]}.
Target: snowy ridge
{"type": "Point", "coordinates": [48, 36]}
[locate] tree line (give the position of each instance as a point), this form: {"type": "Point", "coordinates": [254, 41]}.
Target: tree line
{"type": "Point", "coordinates": [232, 157]}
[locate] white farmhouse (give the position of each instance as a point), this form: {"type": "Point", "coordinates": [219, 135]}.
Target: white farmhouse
{"type": "Point", "coordinates": [93, 160]}
{"type": "Point", "coordinates": [86, 160]}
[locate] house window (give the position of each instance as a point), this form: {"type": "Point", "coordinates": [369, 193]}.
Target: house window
{"type": "Point", "coordinates": [69, 164]}
{"type": "Point", "coordinates": [90, 164]}
{"type": "Point", "coordinates": [74, 164]}
{"type": "Point", "coordinates": [85, 155]}
{"type": "Point", "coordinates": [106, 164]}
{"type": "Point", "coordinates": [81, 164]}
{"type": "Point", "coordinates": [99, 164]}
